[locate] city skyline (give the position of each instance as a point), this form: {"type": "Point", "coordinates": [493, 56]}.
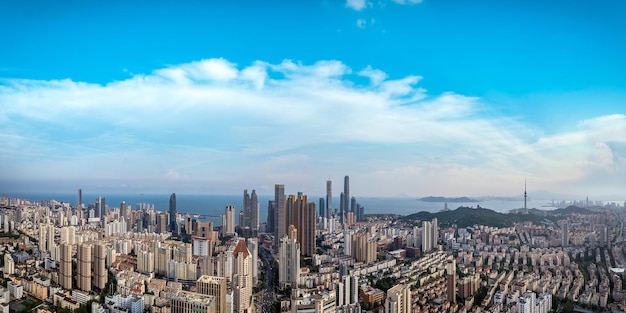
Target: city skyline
{"type": "Point", "coordinates": [414, 98]}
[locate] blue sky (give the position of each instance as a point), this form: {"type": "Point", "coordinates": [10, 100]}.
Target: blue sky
{"type": "Point", "coordinates": [407, 97]}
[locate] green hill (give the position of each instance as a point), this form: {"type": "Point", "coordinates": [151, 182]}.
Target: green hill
{"type": "Point", "coordinates": [465, 216]}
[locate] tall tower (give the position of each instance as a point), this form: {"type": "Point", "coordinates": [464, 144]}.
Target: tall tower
{"type": "Point", "coordinates": [451, 281]}
{"type": "Point", "coordinates": [301, 214]}
{"type": "Point", "coordinates": [124, 211]}
{"type": "Point", "coordinates": [279, 212]}
{"type": "Point", "coordinates": [100, 277]}
{"type": "Point", "coordinates": [271, 208]}
{"type": "Point", "coordinates": [525, 198]}
{"type": "Point", "coordinates": [398, 299]}
{"type": "Point", "coordinates": [242, 279]}
{"type": "Point", "coordinates": [83, 263]}
{"type": "Point", "coordinates": [228, 221]}
{"type": "Point", "coordinates": [288, 262]}
{"type": "Point", "coordinates": [65, 266]}
{"type": "Point", "coordinates": [80, 200]}
{"type": "Point", "coordinates": [346, 196]}
{"type": "Point", "coordinates": [565, 234]}
{"type": "Point", "coordinates": [329, 198]}
{"type": "Point", "coordinates": [173, 225]}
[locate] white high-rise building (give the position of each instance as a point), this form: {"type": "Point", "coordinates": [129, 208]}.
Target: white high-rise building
{"type": "Point", "coordinates": [398, 299]}
{"type": "Point", "coordinates": [348, 291]}
{"type": "Point", "coordinates": [347, 242]}
{"type": "Point", "coordinates": [526, 303]}
{"type": "Point", "coordinates": [288, 262]}
{"type": "Point", "coordinates": [253, 246]}
{"type": "Point", "coordinates": [228, 221]}
{"type": "Point", "coordinates": [242, 279]}
{"type": "Point", "coordinates": [201, 246]}
{"type": "Point", "coordinates": [9, 264]}
{"type": "Point", "coordinates": [68, 234]}
{"type": "Point", "coordinates": [426, 236]}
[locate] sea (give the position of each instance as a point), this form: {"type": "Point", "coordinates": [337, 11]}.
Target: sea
{"type": "Point", "coordinates": [212, 206]}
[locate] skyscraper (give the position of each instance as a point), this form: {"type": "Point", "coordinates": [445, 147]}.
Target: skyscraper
{"type": "Point", "coordinates": [329, 198]}
{"type": "Point", "coordinates": [322, 208]}
{"type": "Point", "coordinates": [228, 221]}
{"type": "Point", "coordinates": [342, 206]}
{"type": "Point", "coordinates": [279, 212]}
{"type": "Point", "coordinates": [242, 279]}
{"type": "Point", "coordinates": [346, 196]}
{"type": "Point", "coordinates": [65, 266]}
{"type": "Point", "coordinates": [172, 224]}
{"type": "Point", "coordinates": [288, 262]}
{"type": "Point", "coordinates": [301, 214]}
{"type": "Point", "coordinates": [353, 205]}
{"type": "Point", "coordinates": [451, 281]}
{"type": "Point", "coordinates": [80, 200]}
{"type": "Point", "coordinates": [565, 234]}
{"type": "Point", "coordinates": [250, 210]}
{"type": "Point", "coordinates": [123, 211]}
{"type": "Point", "coordinates": [100, 277]}
{"type": "Point", "coordinates": [83, 262]}
{"type": "Point", "coordinates": [271, 208]}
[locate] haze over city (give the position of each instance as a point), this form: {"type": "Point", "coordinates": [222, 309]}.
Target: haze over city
{"type": "Point", "coordinates": [407, 97]}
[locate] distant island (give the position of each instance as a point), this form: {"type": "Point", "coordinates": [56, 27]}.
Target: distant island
{"type": "Point", "coordinates": [446, 199]}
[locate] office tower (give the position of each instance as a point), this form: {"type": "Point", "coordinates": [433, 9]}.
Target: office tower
{"type": "Point", "coordinates": [65, 266]}
{"type": "Point", "coordinates": [242, 279]}
{"type": "Point", "coordinates": [250, 210]}
{"type": "Point", "coordinates": [162, 223]}
{"type": "Point", "coordinates": [123, 211]}
{"type": "Point", "coordinates": [100, 210]}
{"type": "Point", "coordinates": [83, 262]}
{"type": "Point", "coordinates": [346, 196]}
{"type": "Point", "coordinates": [100, 277]}
{"type": "Point", "coordinates": [322, 208]}
{"type": "Point", "coordinates": [269, 226]}
{"type": "Point", "coordinates": [173, 227]}
{"type": "Point", "coordinates": [342, 208]}
{"type": "Point", "coordinates": [288, 263]}
{"type": "Point", "coordinates": [564, 234]}
{"type": "Point", "coordinates": [329, 198]}
{"type": "Point", "coordinates": [279, 212]}
{"type": "Point", "coordinates": [213, 286]}
{"type": "Point", "coordinates": [353, 205]}
{"type": "Point", "coordinates": [451, 281]}
{"type": "Point", "coordinates": [228, 221]}
{"type": "Point", "coordinates": [80, 200]}
{"type": "Point", "coordinates": [398, 299]}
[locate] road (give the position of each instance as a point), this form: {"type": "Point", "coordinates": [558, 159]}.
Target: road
{"type": "Point", "coordinates": [268, 294]}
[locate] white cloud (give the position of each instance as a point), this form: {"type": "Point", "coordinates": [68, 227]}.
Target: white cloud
{"type": "Point", "coordinates": [360, 23]}
{"type": "Point", "coordinates": [215, 123]}
{"type": "Point", "coordinates": [403, 2]}
{"type": "Point", "coordinates": [357, 5]}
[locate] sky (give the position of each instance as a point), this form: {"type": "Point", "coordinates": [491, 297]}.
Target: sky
{"type": "Point", "coordinates": [407, 97]}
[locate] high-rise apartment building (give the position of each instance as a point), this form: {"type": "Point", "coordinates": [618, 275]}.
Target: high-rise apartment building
{"type": "Point", "coordinates": [124, 211]}
{"type": "Point", "coordinates": [565, 234]}
{"type": "Point", "coordinates": [228, 221]}
{"type": "Point", "coordinates": [280, 226]}
{"type": "Point", "coordinates": [398, 299]}
{"type": "Point", "coordinates": [173, 227]}
{"type": "Point", "coordinates": [83, 262]}
{"type": "Point", "coordinates": [65, 266]}
{"type": "Point", "coordinates": [451, 281]}
{"type": "Point", "coordinates": [242, 279]}
{"type": "Point", "coordinates": [363, 248]}
{"type": "Point", "coordinates": [288, 262]}
{"type": "Point", "coordinates": [301, 214]}
{"type": "Point", "coordinates": [213, 286]}
{"type": "Point", "coordinates": [191, 302]}
{"type": "Point", "coordinates": [100, 277]}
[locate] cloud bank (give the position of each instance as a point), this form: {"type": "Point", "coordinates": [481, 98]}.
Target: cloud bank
{"type": "Point", "coordinates": [213, 126]}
